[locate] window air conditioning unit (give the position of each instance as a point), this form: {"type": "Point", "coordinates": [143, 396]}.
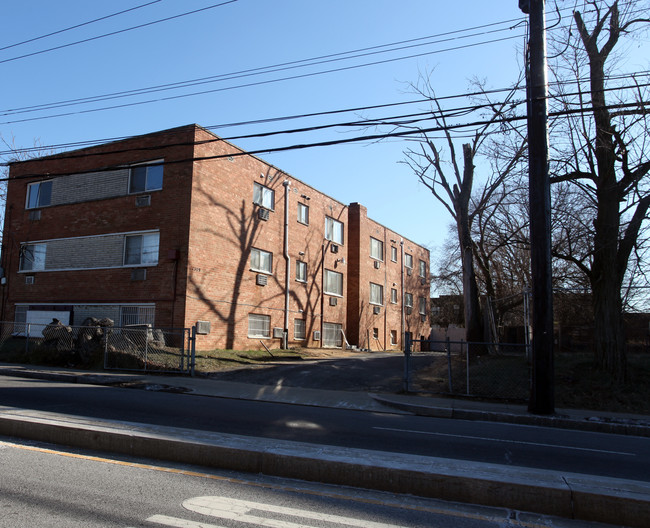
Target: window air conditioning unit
{"type": "Point", "coordinates": [263, 214]}
{"type": "Point", "coordinates": [261, 280]}
{"type": "Point", "coordinates": [333, 301]}
{"type": "Point", "coordinates": [317, 335]}
{"type": "Point", "coordinates": [35, 215]}
{"type": "Point", "coordinates": [334, 248]}
{"type": "Point", "coordinates": [203, 327]}
{"type": "Point", "coordinates": [409, 271]}
{"type": "Point", "coordinates": [278, 333]}
{"type": "Point", "coordinates": [29, 279]}
{"type": "Point", "coordinates": [139, 274]}
{"type": "Point", "coordinates": [408, 310]}
{"type": "Point", "coordinates": [376, 310]}
{"type": "Point", "coordinates": [143, 201]}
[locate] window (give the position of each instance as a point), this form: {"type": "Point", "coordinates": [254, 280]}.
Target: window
{"type": "Point", "coordinates": [146, 178]}
{"type": "Point", "coordinates": [263, 196]}
{"type": "Point", "coordinates": [422, 306]}
{"type": "Point", "coordinates": [393, 253]}
{"type": "Point", "coordinates": [333, 282]}
{"type": "Point", "coordinates": [393, 337]}
{"type": "Point", "coordinates": [376, 294]}
{"type": "Point", "coordinates": [408, 300]}
{"type": "Point", "coordinates": [39, 194]}
{"type": "Point", "coordinates": [332, 335]}
{"type": "Point", "coordinates": [299, 329]}
{"type": "Point", "coordinates": [333, 230]}
{"type": "Point", "coordinates": [137, 315]}
{"type": "Point", "coordinates": [141, 249]}
{"type": "Point", "coordinates": [375, 333]}
{"type": "Point", "coordinates": [423, 269]}
{"type": "Point", "coordinates": [259, 325]}
{"type": "Point", "coordinates": [32, 257]}
{"type": "Point", "coordinates": [301, 271]}
{"type": "Point", "coordinates": [261, 260]}
{"type": "Point", "coordinates": [376, 249]}
{"type": "Point", "coordinates": [393, 295]}
{"type": "Point", "coordinates": [303, 213]}
{"type": "Point", "coordinates": [408, 261]}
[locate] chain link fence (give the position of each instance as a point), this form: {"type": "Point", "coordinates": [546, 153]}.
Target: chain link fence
{"type": "Point", "coordinates": [461, 368]}
{"type": "Point", "coordinates": [98, 342]}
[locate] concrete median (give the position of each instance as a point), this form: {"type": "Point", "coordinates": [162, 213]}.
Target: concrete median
{"type": "Point", "coordinates": [606, 500]}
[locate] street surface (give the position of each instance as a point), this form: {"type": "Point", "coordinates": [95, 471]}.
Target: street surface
{"type": "Point", "coordinates": [47, 486]}
{"type": "Point", "coordinates": [505, 444]}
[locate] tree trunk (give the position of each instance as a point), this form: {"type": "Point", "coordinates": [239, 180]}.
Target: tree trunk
{"type": "Point", "coordinates": [471, 302]}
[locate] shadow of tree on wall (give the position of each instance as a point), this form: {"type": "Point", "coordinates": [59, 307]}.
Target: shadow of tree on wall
{"type": "Point", "coordinates": [243, 231]}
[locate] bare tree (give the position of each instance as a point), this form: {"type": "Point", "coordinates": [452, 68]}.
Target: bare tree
{"type": "Point", "coordinates": [451, 179]}
{"type": "Point", "coordinates": [600, 148]}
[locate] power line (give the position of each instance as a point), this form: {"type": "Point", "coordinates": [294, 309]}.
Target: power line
{"type": "Point", "coordinates": [97, 37]}
{"type": "Point", "coordinates": [367, 121]}
{"type": "Point", "coordinates": [357, 139]}
{"type": "Point", "coordinates": [76, 26]}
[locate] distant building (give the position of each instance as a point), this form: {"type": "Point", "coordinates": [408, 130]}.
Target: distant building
{"type": "Point", "coordinates": [180, 226]}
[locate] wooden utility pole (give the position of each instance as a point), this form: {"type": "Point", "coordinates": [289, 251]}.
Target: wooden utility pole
{"type": "Point", "coordinates": [542, 395]}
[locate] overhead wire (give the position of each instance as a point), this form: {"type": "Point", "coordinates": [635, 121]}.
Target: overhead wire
{"type": "Point", "coordinates": [356, 139]}
{"type": "Point", "coordinates": [76, 26]}
{"type": "Point", "coordinates": [117, 32]}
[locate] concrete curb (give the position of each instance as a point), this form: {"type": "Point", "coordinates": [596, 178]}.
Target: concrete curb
{"type": "Point", "coordinates": [592, 424]}
{"type": "Point", "coordinates": [605, 500]}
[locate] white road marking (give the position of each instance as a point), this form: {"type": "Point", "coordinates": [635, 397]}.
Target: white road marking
{"type": "Point", "coordinates": [503, 440]}
{"type": "Point", "coordinates": [239, 510]}
{"type": "Point", "coordinates": [180, 523]}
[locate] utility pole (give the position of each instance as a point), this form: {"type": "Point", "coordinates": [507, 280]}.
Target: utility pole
{"type": "Point", "coordinates": [542, 396]}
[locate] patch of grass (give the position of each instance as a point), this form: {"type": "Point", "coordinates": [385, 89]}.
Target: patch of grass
{"type": "Point", "coordinates": [214, 360]}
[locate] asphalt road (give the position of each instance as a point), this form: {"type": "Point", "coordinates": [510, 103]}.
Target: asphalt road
{"type": "Point", "coordinates": [48, 487]}
{"type": "Point", "coordinates": [505, 444]}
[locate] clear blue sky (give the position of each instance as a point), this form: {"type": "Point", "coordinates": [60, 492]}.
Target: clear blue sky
{"type": "Point", "coordinates": [250, 34]}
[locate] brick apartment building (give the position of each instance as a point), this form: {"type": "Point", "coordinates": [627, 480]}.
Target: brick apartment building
{"type": "Point", "coordinates": [180, 226]}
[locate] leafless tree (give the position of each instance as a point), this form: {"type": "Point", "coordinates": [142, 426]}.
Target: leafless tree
{"type": "Point", "coordinates": [451, 179]}
{"type": "Point", "coordinates": [600, 148]}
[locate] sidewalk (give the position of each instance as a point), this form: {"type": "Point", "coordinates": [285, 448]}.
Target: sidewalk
{"type": "Point", "coordinates": [608, 500]}
{"type": "Point", "coordinates": [441, 407]}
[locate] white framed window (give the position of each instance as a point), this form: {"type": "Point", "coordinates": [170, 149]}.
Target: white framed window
{"type": "Point", "coordinates": [137, 315]}
{"type": "Point", "coordinates": [261, 260]}
{"type": "Point", "coordinates": [32, 257]}
{"type": "Point", "coordinates": [333, 230]}
{"type": "Point", "coordinates": [393, 295]}
{"type": "Point", "coordinates": [301, 271]}
{"type": "Point", "coordinates": [39, 194]}
{"type": "Point", "coordinates": [259, 326]}
{"type": "Point", "coordinates": [263, 196]}
{"type": "Point", "coordinates": [408, 300]}
{"type": "Point", "coordinates": [376, 249]}
{"type": "Point", "coordinates": [141, 249]}
{"type": "Point", "coordinates": [422, 306]}
{"type": "Point", "coordinates": [375, 333]}
{"type": "Point", "coordinates": [146, 178]}
{"type": "Point", "coordinates": [423, 269]}
{"type": "Point", "coordinates": [303, 213]}
{"type": "Point", "coordinates": [333, 283]}
{"type": "Point", "coordinates": [393, 253]}
{"type": "Point", "coordinates": [376, 294]}
{"type": "Point", "coordinates": [299, 329]}
{"type": "Point", "coordinates": [393, 337]}
{"type": "Point", "coordinates": [332, 336]}
{"type": "Point", "coordinates": [408, 261]}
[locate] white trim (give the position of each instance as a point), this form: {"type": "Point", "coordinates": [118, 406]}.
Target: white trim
{"type": "Point", "coordinates": [93, 236]}
{"type": "Point", "coordinates": [81, 303]}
